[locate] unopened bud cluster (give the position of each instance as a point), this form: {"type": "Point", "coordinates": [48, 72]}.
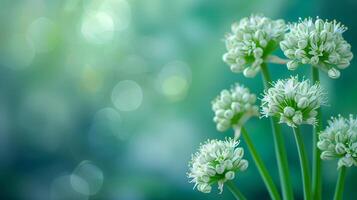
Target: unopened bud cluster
{"type": "Point", "coordinates": [250, 41]}
{"type": "Point", "coordinates": [318, 43]}
{"type": "Point", "coordinates": [339, 141]}
{"type": "Point", "coordinates": [216, 161]}
{"type": "Point", "coordinates": [293, 102]}
{"type": "Point", "coordinates": [233, 107]}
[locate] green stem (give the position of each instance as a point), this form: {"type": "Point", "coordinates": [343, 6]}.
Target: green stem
{"type": "Point", "coordinates": [280, 150]}
{"type": "Point", "coordinates": [303, 164]}
{"type": "Point", "coordinates": [235, 191]}
{"type": "Point", "coordinates": [340, 183]}
{"type": "Point", "coordinates": [316, 161]}
{"type": "Point", "coordinates": [266, 75]}
{"type": "Point", "coordinates": [269, 183]}
{"type": "Point", "coordinates": [277, 60]}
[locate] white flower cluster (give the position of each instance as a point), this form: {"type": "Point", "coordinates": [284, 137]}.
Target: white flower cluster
{"type": "Point", "coordinates": [233, 107]}
{"type": "Point", "coordinates": [216, 161]}
{"type": "Point", "coordinates": [319, 43]}
{"type": "Point", "coordinates": [250, 41]}
{"type": "Point", "coordinates": [339, 141]}
{"type": "Point", "coordinates": [293, 101]}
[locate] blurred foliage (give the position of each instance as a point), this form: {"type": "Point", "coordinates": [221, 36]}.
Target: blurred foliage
{"type": "Point", "coordinates": [107, 99]}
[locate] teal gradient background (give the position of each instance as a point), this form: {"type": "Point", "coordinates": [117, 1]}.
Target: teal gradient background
{"type": "Point", "coordinates": [107, 99]}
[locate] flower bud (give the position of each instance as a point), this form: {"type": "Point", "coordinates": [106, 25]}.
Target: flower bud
{"type": "Point", "coordinates": [311, 120]}
{"type": "Point", "coordinates": [302, 44]}
{"type": "Point", "coordinates": [341, 137]}
{"type": "Point", "coordinates": [236, 68]}
{"type": "Point", "coordinates": [319, 24]}
{"type": "Point", "coordinates": [258, 35]}
{"type": "Point", "coordinates": [328, 155]}
{"type": "Point", "coordinates": [249, 72]}
{"type": "Point", "coordinates": [314, 60]}
{"type": "Point", "coordinates": [297, 118]}
{"type": "Point", "coordinates": [258, 53]}
{"type": "Point", "coordinates": [229, 175]}
{"type": "Point", "coordinates": [221, 127]}
{"type": "Point", "coordinates": [303, 102]}
{"type": "Point", "coordinates": [340, 148]}
{"type": "Point", "coordinates": [333, 73]}
{"type": "Point", "coordinates": [289, 111]}
{"type": "Point", "coordinates": [228, 114]}
{"type": "Point", "coordinates": [243, 165]}
{"type": "Point", "coordinates": [219, 113]}
{"type": "Point", "coordinates": [344, 63]}
{"type": "Point", "coordinates": [345, 161]}
{"type": "Point", "coordinates": [292, 65]}
{"type": "Point", "coordinates": [220, 169]}
{"type": "Point", "coordinates": [205, 188]}
{"type": "Point", "coordinates": [299, 53]}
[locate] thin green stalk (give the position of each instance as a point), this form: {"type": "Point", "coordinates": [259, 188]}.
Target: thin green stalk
{"type": "Point", "coordinates": [280, 150]}
{"type": "Point", "coordinates": [303, 164]}
{"type": "Point", "coordinates": [316, 161]}
{"type": "Point", "coordinates": [269, 183]}
{"type": "Point", "coordinates": [340, 183]}
{"type": "Point", "coordinates": [235, 191]}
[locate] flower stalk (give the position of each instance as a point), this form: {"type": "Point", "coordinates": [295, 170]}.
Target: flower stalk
{"type": "Point", "coordinates": [291, 101]}
{"type": "Point", "coordinates": [277, 60]}
{"type": "Point", "coordinates": [269, 183]}
{"type": "Point", "coordinates": [316, 161]}
{"type": "Point", "coordinates": [303, 164]}
{"type": "Point", "coordinates": [340, 183]}
{"type": "Point", "coordinates": [235, 191]}
{"type": "Point", "coordinates": [280, 150]}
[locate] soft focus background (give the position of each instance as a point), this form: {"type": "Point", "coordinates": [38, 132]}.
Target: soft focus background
{"type": "Point", "coordinates": [107, 99]}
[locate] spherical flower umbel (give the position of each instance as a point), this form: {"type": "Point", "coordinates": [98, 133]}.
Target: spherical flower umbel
{"type": "Point", "coordinates": [216, 161]}
{"type": "Point", "coordinates": [233, 107]}
{"type": "Point", "coordinates": [294, 102]}
{"type": "Point", "coordinates": [319, 43]}
{"type": "Point", "coordinates": [252, 39]}
{"type": "Point", "coordinates": [339, 141]}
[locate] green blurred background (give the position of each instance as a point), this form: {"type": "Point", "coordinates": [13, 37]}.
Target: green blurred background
{"type": "Point", "coordinates": [107, 99]}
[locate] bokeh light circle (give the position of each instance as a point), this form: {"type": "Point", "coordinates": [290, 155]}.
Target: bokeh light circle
{"type": "Point", "coordinates": [127, 95]}
{"type": "Point", "coordinates": [103, 18]}
{"type": "Point", "coordinates": [174, 80]}
{"type": "Point", "coordinates": [98, 27]}
{"type": "Point", "coordinates": [120, 12]}
{"type": "Point", "coordinates": [87, 178]}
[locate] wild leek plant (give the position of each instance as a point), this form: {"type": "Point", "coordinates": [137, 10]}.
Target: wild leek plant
{"type": "Point", "coordinates": [234, 107]}
{"type": "Point", "coordinates": [295, 103]}
{"type": "Point", "coordinates": [339, 141]}
{"type": "Point", "coordinates": [250, 47]}
{"type": "Point", "coordinates": [216, 162]}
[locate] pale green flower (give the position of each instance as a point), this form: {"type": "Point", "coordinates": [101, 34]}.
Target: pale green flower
{"type": "Point", "coordinates": [233, 107]}
{"type": "Point", "coordinates": [252, 39]}
{"type": "Point", "coordinates": [216, 161]}
{"type": "Point", "coordinates": [318, 43]}
{"type": "Point", "coordinates": [339, 141]}
{"type": "Point", "coordinates": [293, 102]}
